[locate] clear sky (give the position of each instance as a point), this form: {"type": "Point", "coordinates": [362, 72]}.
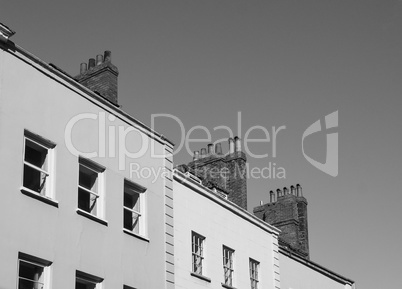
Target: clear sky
{"type": "Point", "coordinates": [278, 63]}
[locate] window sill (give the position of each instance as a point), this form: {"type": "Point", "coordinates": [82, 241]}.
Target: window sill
{"type": "Point", "coordinates": [39, 197]}
{"type": "Point", "coordinates": [227, 286]}
{"type": "Point", "coordinates": [128, 232]}
{"type": "Point", "coordinates": [92, 217]}
{"type": "Point", "coordinates": [201, 277]}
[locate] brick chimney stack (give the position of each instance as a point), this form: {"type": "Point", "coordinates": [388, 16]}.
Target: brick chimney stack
{"type": "Point", "coordinates": [100, 76]}
{"type": "Point", "coordinates": [288, 212]}
{"type": "Point", "coordinates": [226, 173]}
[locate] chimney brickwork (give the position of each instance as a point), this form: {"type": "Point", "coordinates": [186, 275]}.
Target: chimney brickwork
{"type": "Point", "coordinates": [227, 173]}
{"type": "Point", "coordinates": [100, 77]}
{"type": "Point", "coordinates": [237, 180]}
{"type": "Point", "coordinates": [288, 212]}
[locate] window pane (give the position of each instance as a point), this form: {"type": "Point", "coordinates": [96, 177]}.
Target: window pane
{"type": "Point", "coordinates": [131, 221]}
{"type": "Point", "coordinates": [30, 271]}
{"type": "Point", "coordinates": [34, 179]}
{"type": "Point", "coordinates": [26, 284]}
{"type": "Point", "coordinates": [82, 284]}
{"type": "Point", "coordinates": [135, 227]}
{"type": "Point", "coordinates": [84, 202]}
{"type": "Point", "coordinates": [131, 200]}
{"type": "Point", "coordinates": [31, 276]}
{"type": "Point", "coordinates": [198, 264]}
{"type": "Point", "coordinates": [128, 220]}
{"type": "Point", "coordinates": [194, 263]}
{"type": "Point", "coordinates": [87, 178]}
{"type": "Point", "coordinates": [35, 154]}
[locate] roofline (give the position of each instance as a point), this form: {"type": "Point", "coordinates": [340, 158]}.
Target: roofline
{"type": "Point", "coordinates": [206, 192]}
{"type": "Point", "coordinates": [316, 267]}
{"type": "Point", "coordinates": [61, 77]}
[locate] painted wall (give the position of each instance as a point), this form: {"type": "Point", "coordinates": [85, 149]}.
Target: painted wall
{"type": "Point", "coordinates": [213, 218]}
{"type": "Point", "coordinates": [295, 275]}
{"type": "Point", "coordinates": [35, 99]}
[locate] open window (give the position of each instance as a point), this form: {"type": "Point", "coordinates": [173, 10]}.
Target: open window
{"type": "Point", "coordinates": [90, 187]}
{"type": "Point", "coordinates": [33, 272]}
{"type": "Point", "coordinates": [134, 208]}
{"type": "Point", "coordinates": [38, 165]}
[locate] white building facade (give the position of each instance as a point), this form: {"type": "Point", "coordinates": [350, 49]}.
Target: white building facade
{"type": "Point", "coordinates": [74, 212]}
{"type": "Point", "coordinates": [218, 244]}
{"type": "Point", "coordinates": [299, 273]}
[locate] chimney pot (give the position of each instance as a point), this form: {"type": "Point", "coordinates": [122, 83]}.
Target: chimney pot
{"type": "Point", "coordinates": [285, 191]}
{"type": "Point", "coordinates": [108, 56]}
{"type": "Point", "coordinates": [279, 192]}
{"type": "Point", "coordinates": [237, 144]}
{"type": "Point", "coordinates": [210, 149]}
{"type": "Point", "coordinates": [218, 148]}
{"type": "Point", "coordinates": [99, 59]}
{"type": "Point", "coordinates": [196, 155]}
{"type": "Point", "coordinates": [271, 197]}
{"type": "Point", "coordinates": [299, 190]}
{"type": "Point", "coordinates": [203, 152]}
{"type": "Point", "coordinates": [231, 146]}
{"type": "Point", "coordinates": [91, 63]}
{"type": "Point", "coordinates": [83, 68]}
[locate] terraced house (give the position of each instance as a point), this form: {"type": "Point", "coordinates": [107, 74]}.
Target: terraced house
{"type": "Point", "coordinates": [73, 215]}
{"type": "Point", "coordinates": [219, 244]}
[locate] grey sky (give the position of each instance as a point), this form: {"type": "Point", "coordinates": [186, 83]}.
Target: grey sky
{"type": "Point", "coordinates": [278, 63]}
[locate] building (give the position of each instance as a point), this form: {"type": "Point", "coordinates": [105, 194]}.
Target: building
{"type": "Point", "coordinates": [220, 244]}
{"type": "Point", "coordinates": [76, 211]}
{"type": "Point", "coordinates": [71, 213]}
{"type": "Point", "coordinates": [216, 240]}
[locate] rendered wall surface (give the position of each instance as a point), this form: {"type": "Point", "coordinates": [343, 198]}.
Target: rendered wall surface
{"type": "Point", "coordinates": [295, 275]}
{"type": "Point", "coordinates": [44, 104]}
{"type": "Point", "coordinates": [220, 226]}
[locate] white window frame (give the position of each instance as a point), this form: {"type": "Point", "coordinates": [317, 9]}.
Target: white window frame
{"type": "Point", "coordinates": [197, 253]}
{"type": "Point", "coordinates": [88, 278]}
{"type": "Point", "coordinates": [47, 183]}
{"type": "Point", "coordinates": [97, 193]}
{"type": "Point", "coordinates": [228, 266]}
{"type": "Point", "coordinates": [44, 281]}
{"type": "Point", "coordinates": [141, 213]}
{"type": "Point", "coordinates": [254, 268]}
